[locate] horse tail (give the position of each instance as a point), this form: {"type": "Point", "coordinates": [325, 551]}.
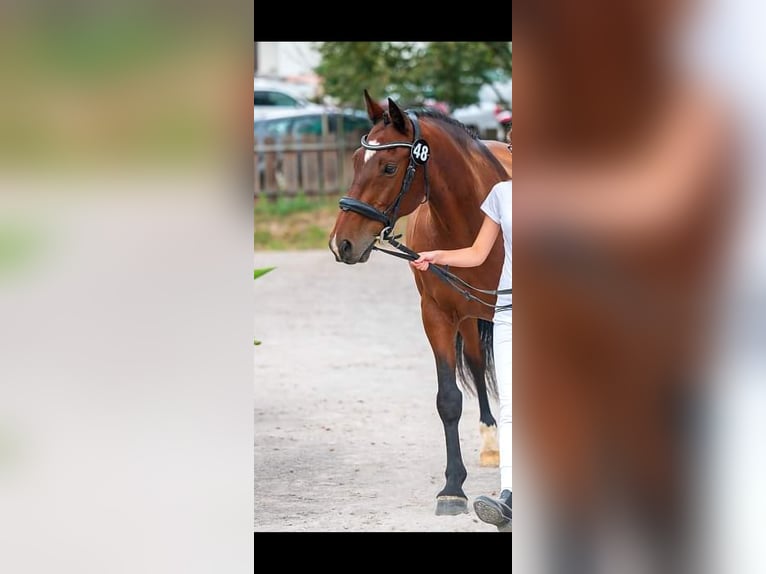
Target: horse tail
{"type": "Point", "coordinates": [465, 375]}
{"type": "Point", "coordinates": [486, 334]}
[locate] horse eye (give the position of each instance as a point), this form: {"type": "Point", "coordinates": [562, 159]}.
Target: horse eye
{"type": "Point", "coordinates": [389, 169]}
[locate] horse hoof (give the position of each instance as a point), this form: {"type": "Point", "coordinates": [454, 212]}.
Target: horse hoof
{"type": "Point", "coordinates": [451, 505]}
{"type": "Point", "coordinates": [489, 458]}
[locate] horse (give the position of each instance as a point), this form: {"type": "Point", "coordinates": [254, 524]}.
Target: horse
{"type": "Point", "coordinates": [428, 166]}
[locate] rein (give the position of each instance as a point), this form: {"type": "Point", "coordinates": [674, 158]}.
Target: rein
{"type": "Point", "coordinates": [419, 155]}
{"type": "Point", "coordinates": [461, 286]}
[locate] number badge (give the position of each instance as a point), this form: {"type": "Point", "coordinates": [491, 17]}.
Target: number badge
{"type": "Point", "coordinates": [420, 151]}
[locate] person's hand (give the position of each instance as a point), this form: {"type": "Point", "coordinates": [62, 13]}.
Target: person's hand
{"type": "Point", "coordinates": [425, 259]}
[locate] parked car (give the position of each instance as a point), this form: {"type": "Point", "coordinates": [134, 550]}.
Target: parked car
{"type": "Point", "coordinates": [270, 96]}
{"type": "Point", "coordinates": [505, 117]}
{"type": "Point", "coordinates": [482, 117]}
{"type": "Point", "coordinates": [302, 122]}
{"type": "Point", "coordinates": [314, 121]}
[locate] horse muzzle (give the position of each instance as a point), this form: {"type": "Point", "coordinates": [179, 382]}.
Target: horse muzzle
{"type": "Point", "coordinates": [348, 252]}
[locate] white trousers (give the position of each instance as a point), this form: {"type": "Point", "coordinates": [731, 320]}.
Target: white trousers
{"type": "Point", "coordinates": [503, 349]}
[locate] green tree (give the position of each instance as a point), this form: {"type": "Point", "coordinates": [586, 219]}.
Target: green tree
{"type": "Point", "coordinates": [454, 71]}
{"type": "Point", "coordinates": [501, 57]}
{"type": "Point", "coordinates": [447, 71]}
{"type": "Point", "coordinates": [347, 68]}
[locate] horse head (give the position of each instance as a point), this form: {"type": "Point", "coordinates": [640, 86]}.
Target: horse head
{"type": "Point", "coordinates": [386, 183]}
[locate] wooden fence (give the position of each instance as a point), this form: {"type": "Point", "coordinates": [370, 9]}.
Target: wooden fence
{"type": "Point", "coordinates": [309, 164]}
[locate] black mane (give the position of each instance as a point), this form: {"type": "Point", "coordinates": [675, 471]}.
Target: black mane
{"type": "Point", "coordinates": [446, 119]}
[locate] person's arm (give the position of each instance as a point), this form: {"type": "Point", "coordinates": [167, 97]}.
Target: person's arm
{"type": "Point", "coordinates": [472, 256]}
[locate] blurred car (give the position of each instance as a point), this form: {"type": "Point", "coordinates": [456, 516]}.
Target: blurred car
{"type": "Point", "coordinates": [505, 117]}
{"type": "Point", "coordinates": [482, 117]}
{"type": "Point", "coordinates": [313, 121]}
{"type": "Point", "coordinates": [298, 123]}
{"type": "Point", "coordinates": [506, 120]}
{"type": "Point", "coordinates": [270, 96]}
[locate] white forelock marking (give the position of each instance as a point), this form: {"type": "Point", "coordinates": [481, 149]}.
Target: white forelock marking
{"type": "Point", "coordinates": [370, 152]}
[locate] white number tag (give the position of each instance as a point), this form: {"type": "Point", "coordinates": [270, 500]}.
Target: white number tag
{"type": "Point", "coordinates": [420, 151]}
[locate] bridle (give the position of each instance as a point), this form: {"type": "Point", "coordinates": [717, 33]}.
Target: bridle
{"type": "Point", "coordinates": [420, 152]}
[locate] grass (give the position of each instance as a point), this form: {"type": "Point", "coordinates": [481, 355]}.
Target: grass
{"type": "Point", "coordinates": [298, 222]}
{"type": "Point", "coordinates": [287, 205]}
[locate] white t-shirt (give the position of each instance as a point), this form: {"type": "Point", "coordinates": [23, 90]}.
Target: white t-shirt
{"type": "Point", "coordinates": [498, 207]}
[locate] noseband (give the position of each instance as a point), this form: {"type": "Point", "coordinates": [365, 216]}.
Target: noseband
{"type": "Point", "coordinates": [420, 152]}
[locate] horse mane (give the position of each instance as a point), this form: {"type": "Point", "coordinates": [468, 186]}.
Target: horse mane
{"type": "Point", "coordinates": [459, 128]}
{"type": "Point", "coordinates": [461, 132]}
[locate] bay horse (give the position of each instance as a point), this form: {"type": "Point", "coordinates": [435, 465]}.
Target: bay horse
{"type": "Point", "coordinates": [426, 165]}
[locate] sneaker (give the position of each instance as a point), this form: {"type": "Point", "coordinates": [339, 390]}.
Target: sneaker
{"type": "Point", "coordinates": [495, 511]}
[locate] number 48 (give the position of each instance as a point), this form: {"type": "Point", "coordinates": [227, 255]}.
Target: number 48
{"type": "Point", "coordinates": [421, 151]}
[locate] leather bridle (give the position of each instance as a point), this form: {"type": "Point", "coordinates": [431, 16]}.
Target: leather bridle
{"type": "Point", "coordinates": [419, 155]}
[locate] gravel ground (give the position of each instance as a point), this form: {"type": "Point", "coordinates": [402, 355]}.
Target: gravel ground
{"type": "Point", "coordinates": [347, 436]}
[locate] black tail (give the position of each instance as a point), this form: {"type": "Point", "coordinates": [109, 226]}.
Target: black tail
{"type": "Point", "coordinates": [465, 375]}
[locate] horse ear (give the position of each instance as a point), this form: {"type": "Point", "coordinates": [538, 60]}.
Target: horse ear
{"type": "Point", "coordinates": [397, 116]}
{"type": "Point", "coordinates": [374, 109]}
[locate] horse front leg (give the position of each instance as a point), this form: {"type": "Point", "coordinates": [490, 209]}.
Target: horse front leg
{"type": "Point", "coordinates": [441, 331]}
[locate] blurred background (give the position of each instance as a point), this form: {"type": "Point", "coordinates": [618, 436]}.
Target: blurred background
{"type": "Point", "coordinates": [309, 117]}
{"type": "Point", "coordinates": [125, 287]}
{"type": "Point", "coordinates": [593, 84]}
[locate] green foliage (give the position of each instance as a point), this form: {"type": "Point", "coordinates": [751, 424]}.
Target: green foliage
{"type": "Point", "coordinates": [451, 72]}
{"type": "Point", "coordinates": [455, 71]}
{"type": "Point", "coordinates": [261, 272]}
{"type": "Point", "coordinates": [347, 68]}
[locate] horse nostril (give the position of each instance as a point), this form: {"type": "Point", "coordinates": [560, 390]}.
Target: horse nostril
{"type": "Point", "coordinates": [345, 248]}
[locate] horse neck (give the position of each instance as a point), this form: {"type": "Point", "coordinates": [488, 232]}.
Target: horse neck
{"type": "Point", "coordinates": [460, 179]}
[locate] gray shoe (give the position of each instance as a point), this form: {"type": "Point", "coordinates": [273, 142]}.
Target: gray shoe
{"type": "Point", "coordinates": [497, 512]}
